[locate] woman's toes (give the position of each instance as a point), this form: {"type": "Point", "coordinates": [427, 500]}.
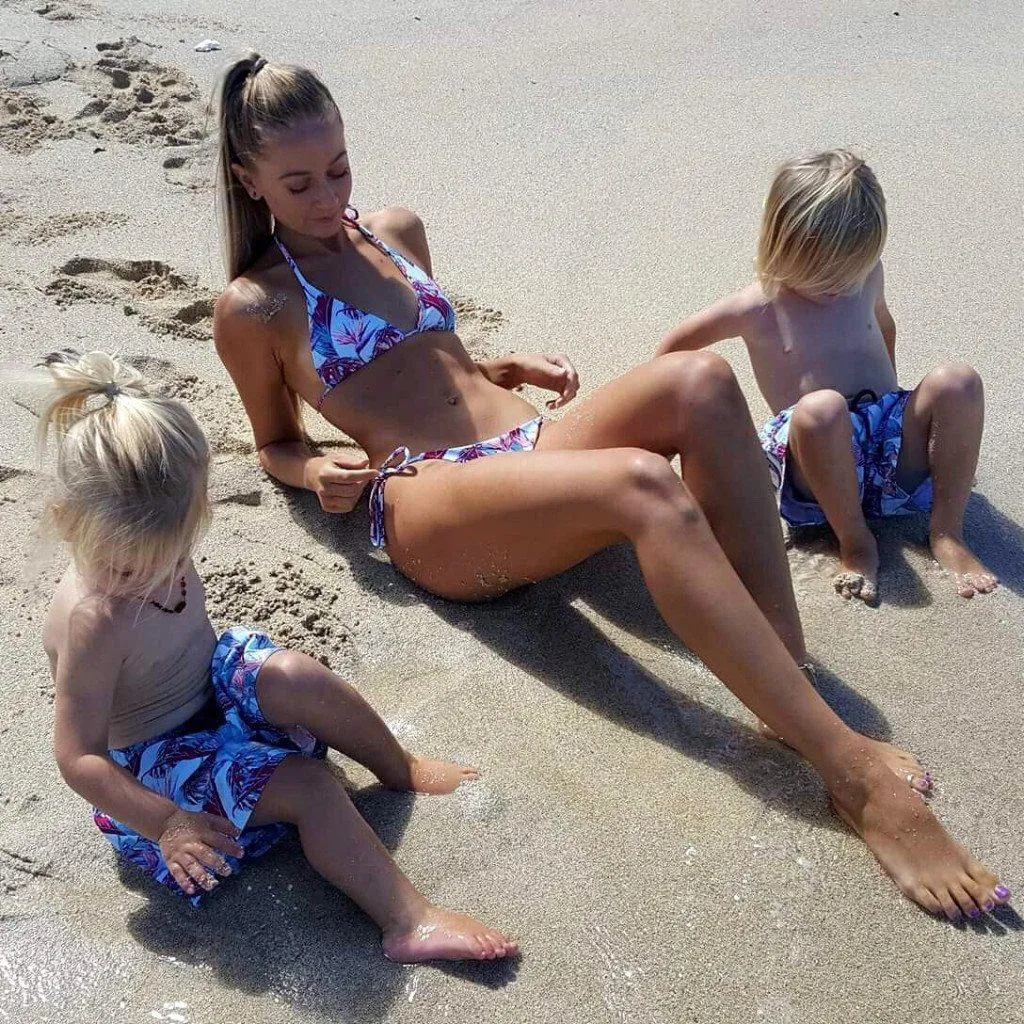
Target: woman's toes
{"type": "Point", "coordinates": [926, 898]}
{"type": "Point", "coordinates": [965, 902]}
{"type": "Point", "coordinates": [980, 893]}
{"type": "Point", "coordinates": [949, 905]}
{"type": "Point", "coordinates": [1002, 894]}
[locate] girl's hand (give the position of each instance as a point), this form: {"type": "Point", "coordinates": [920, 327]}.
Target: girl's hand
{"type": "Point", "coordinates": [190, 843]}
{"type": "Point", "coordinates": [551, 371]}
{"type": "Point", "coordinates": [338, 480]}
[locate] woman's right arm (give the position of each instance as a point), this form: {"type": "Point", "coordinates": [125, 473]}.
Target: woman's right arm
{"type": "Point", "coordinates": [245, 344]}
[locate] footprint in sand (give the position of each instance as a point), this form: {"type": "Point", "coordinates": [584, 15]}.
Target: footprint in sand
{"type": "Point", "coordinates": [65, 10]}
{"type": "Point", "coordinates": [167, 302]}
{"type": "Point", "coordinates": [131, 100]}
{"type": "Point", "coordinates": [298, 612]}
{"type": "Point", "coordinates": [25, 122]}
{"type": "Point", "coordinates": [137, 101]}
{"type": "Point", "coordinates": [193, 167]}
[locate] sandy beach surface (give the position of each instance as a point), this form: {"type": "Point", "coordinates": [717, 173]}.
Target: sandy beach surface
{"type": "Point", "coordinates": [587, 173]}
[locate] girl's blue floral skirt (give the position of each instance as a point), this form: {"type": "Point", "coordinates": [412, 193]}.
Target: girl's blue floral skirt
{"type": "Point", "coordinates": [218, 762]}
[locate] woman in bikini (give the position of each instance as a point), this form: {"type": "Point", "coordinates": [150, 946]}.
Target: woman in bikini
{"type": "Point", "coordinates": [473, 493]}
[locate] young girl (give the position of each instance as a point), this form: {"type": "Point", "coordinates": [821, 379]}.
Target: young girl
{"type": "Point", "coordinates": [199, 751]}
{"type": "Point", "coordinates": [846, 441]}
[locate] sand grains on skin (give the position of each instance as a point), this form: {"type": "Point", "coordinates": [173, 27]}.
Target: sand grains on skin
{"type": "Point", "coordinates": [444, 935]}
{"type": "Point", "coordinates": [911, 845]}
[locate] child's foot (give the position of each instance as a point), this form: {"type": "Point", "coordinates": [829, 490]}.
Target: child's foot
{"type": "Point", "coordinates": [443, 935]}
{"type": "Point", "coordinates": [859, 575]}
{"type": "Point", "coordinates": [437, 778]}
{"type": "Point", "coordinates": [913, 848]}
{"type": "Point", "coordinates": [957, 559]}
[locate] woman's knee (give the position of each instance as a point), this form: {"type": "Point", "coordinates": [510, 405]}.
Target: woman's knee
{"type": "Point", "coordinates": [820, 412]}
{"type": "Point", "coordinates": [959, 382]}
{"type": "Point", "coordinates": [703, 379]}
{"type": "Point", "coordinates": [649, 489]}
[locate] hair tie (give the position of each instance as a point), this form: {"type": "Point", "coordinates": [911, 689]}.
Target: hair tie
{"type": "Point", "coordinates": [112, 390]}
{"type": "Point", "coordinates": [258, 65]}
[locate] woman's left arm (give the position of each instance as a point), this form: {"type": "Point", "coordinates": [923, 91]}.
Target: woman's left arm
{"type": "Point", "coordinates": [551, 371]}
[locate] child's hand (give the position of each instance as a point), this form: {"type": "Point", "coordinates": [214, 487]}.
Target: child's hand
{"type": "Point", "coordinates": [189, 843]}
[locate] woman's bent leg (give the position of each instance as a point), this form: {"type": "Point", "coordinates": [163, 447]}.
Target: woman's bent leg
{"type": "Point", "coordinates": [689, 404]}
{"type": "Point", "coordinates": [476, 530]}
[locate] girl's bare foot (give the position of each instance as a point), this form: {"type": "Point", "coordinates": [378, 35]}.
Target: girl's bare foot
{"type": "Point", "coordinates": [912, 846]}
{"type": "Point", "coordinates": [957, 559]}
{"type": "Point", "coordinates": [859, 575]}
{"type": "Point", "coordinates": [437, 778]}
{"type": "Point", "coordinates": [443, 935]}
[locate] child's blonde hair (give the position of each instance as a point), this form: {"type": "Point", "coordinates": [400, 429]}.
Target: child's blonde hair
{"type": "Point", "coordinates": [823, 227]}
{"type": "Point", "coordinates": [256, 99]}
{"type": "Point", "coordinates": [131, 473]}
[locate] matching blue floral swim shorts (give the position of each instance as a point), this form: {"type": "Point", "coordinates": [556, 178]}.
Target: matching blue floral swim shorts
{"type": "Point", "coordinates": [877, 436]}
{"type": "Point", "coordinates": [218, 762]}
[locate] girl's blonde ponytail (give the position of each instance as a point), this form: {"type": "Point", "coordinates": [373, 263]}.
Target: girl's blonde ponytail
{"type": "Point", "coordinates": [130, 498]}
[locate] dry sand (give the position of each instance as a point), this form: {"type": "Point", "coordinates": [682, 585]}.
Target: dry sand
{"type": "Point", "coordinates": [593, 171]}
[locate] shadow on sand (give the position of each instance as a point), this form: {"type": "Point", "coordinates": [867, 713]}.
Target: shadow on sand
{"type": "Point", "coordinates": [535, 627]}
{"type": "Point", "coordinates": [996, 539]}
{"type": "Point", "coordinates": [279, 929]}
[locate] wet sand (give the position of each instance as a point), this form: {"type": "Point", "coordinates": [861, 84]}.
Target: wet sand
{"type": "Point", "coordinates": [587, 175]}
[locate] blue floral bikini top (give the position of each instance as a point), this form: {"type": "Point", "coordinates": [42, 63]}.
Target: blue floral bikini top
{"type": "Point", "coordinates": [344, 338]}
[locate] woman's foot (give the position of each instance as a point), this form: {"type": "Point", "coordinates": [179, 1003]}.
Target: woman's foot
{"type": "Point", "coordinates": [443, 935]}
{"type": "Point", "coordinates": [901, 763]}
{"type": "Point", "coordinates": [959, 561]}
{"type": "Point", "coordinates": [911, 845]}
{"type": "Point", "coordinates": [436, 778]}
{"type": "Point", "coordinates": [859, 575]}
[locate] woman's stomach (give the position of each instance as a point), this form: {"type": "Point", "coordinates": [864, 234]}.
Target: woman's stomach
{"type": "Point", "coordinates": [424, 394]}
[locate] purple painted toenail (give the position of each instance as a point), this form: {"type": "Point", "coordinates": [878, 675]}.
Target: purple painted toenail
{"type": "Point", "coordinates": [1002, 892]}
{"type": "Point", "coordinates": [989, 905]}
{"type": "Point", "coordinates": [973, 912]}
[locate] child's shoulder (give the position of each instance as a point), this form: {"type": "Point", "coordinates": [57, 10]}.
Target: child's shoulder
{"type": "Point", "coordinates": [81, 617]}
{"type": "Point", "coordinates": [752, 307]}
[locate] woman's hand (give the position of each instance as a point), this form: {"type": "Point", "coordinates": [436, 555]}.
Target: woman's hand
{"type": "Point", "coordinates": [190, 843]}
{"type": "Point", "coordinates": [551, 371]}
{"type": "Point", "coordinates": [338, 480]}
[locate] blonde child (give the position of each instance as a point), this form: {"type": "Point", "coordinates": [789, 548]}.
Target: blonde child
{"type": "Point", "coordinates": [846, 442]}
{"type": "Point", "coordinates": [196, 751]}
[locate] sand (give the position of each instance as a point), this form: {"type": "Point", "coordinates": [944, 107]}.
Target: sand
{"type": "Point", "coordinates": [587, 173]}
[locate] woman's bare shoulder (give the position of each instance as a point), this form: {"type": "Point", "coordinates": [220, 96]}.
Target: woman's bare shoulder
{"type": "Point", "coordinates": [400, 227]}
{"type": "Point", "coordinates": [260, 294]}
